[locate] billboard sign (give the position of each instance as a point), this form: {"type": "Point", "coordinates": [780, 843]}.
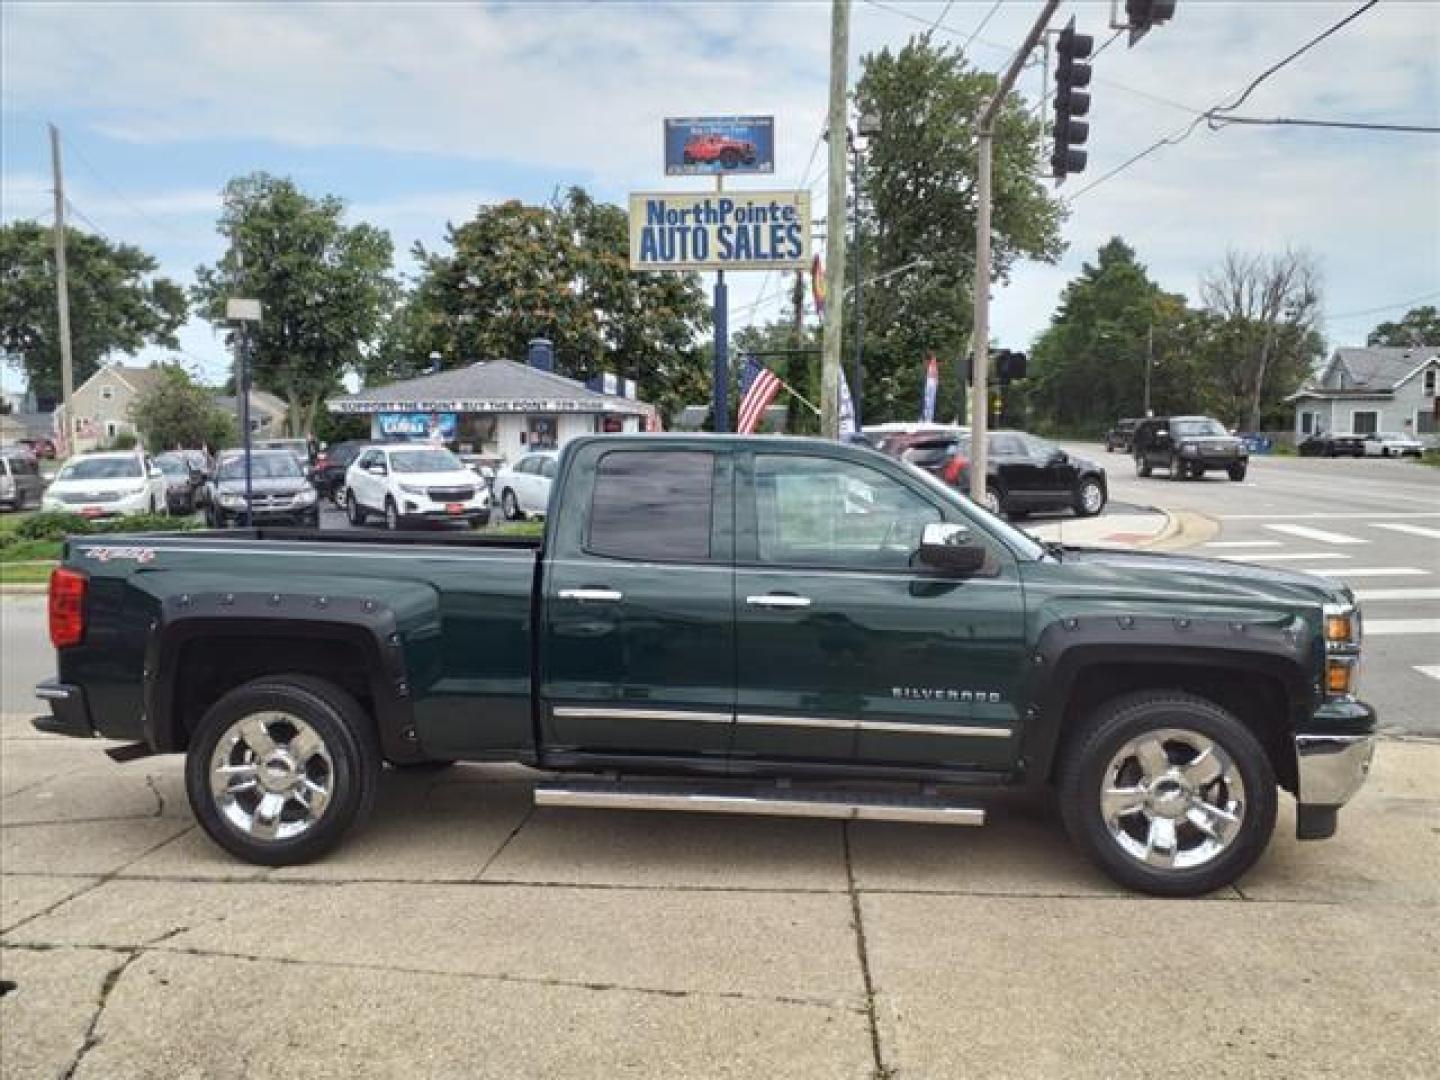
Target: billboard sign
{"type": "Point", "coordinates": [719, 145]}
{"type": "Point", "coordinates": [436, 427]}
{"type": "Point", "coordinates": [749, 230]}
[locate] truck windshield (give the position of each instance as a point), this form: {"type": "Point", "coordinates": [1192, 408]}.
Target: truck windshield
{"type": "Point", "coordinates": [1204, 426]}
{"type": "Point", "coordinates": [101, 469]}
{"type": "Point", "coordinates": [277, 466]}
{"type": "Point", "coordinates": [1021, 543]}
{"type": "Point", "coordinates": [423, 461]}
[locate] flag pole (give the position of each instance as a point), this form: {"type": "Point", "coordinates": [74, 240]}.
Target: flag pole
{"type": "Point", "coordinates": [797, 396]}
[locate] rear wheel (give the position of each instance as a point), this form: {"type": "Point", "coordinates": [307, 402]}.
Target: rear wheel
{"type": "Point", "coordinates": [1177, 468]}
{"type": "Point", "coordinates": [279, 769]}
{"type": "Point", "coordinates": [994, 500]}
{"type": "Point", "coordinates": [1142, 467]}
{"type": "Point", "coordinates": [510, 507]}
{"type": "Point", "coordinates": [1168, 793]}
{"type": "Point", "coordinates": [1089, 497]}
{"type": "Point", "coordinates": [1236, 472]}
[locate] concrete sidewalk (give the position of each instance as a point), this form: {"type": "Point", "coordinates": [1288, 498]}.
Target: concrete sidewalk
{"type": "Point", "coordinates": [1157, 529]}
{"type": "Point", "coordinates": [465, 933]}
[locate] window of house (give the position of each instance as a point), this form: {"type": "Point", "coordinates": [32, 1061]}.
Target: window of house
{"type": "Point", "coordinates": [107, 393]}
{"type": "Point", "coordinates": [1365, 422]}
{"type": "Point", "coordinates": [652, 505]}
{"type": "Point", "coordinates": [111, 429]}
{"type": "Point", "coordinates": [1307, 423]}
{"type": "Point", "coordinates": [1431, 374]}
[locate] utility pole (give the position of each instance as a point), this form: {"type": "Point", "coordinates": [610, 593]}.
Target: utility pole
{"type": "Point", "coordinates": [835, 222]}
{"type": "Point", "coordinates": [980, 392]}
{"type": "Point", "coordinates": [1149, 362]}
{"type": "Point", "coordinates": [62, 288]}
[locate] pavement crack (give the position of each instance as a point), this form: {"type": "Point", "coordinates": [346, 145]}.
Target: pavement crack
{"type": "Point", "coordinates": [92, 1037]}
{"type": "Point", "coordinates": [882, 1072]}
{"type": "Point", "coordinates": [525, 820]}
{"type": "Point", "coordinates": [47, 910]}
{"type": "Point", "coordinates": [159, 799]}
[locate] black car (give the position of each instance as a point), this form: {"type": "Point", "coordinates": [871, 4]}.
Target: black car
{"type": "Point", "coordinates": [331, 464]}
{"type": "Point", "coordinates": [1187, 447]}
{"type": "Point", "coordinates": [1331, 444]}
{"type": "Point", "coordinates": [1121, 436]}
{"type": "Point", "coordinates": [183, 481]}
{"type": "Point", "coordinates": [280, 491]}
{"type": "Point", "coordinates": [1023, 473]}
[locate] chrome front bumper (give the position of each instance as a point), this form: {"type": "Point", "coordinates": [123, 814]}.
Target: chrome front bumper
{"type": "Point", "coordinates": [1332, 767]}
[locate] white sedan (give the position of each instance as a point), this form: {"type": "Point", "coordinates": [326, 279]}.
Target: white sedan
{"type": "Point", "coordinates": [117, 484]}
{"type": "Point", "coordinates": [524, 487]}
{"type": "Point", "coordinates": [412, 482]}
{"type": "Point", "coordinates": [1392, 444]}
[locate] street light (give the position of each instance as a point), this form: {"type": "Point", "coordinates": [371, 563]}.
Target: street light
{"type": "Point", "coordinates": [867, 125]}
{"type": "Point", "coordinates": [241, 312]}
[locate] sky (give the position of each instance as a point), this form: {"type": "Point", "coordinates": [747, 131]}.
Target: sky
{"type": "Point", "coordinates": [418, 113]}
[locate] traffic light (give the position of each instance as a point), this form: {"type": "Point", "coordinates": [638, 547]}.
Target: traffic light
{"type": "Point", "coordinates": [1142, 15]}
{"type": "Point", "coordinates": [1072, 75]}
{"type": "Point", "coordinates": [1007, 365]}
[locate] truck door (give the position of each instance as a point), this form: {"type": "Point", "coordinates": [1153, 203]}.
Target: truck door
{"type": "Point", "coordinates": [637, 643]}
{"type": "Point", "coordinates": [848, 650]}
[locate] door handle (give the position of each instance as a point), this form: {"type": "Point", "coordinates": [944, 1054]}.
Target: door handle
{"type": "Point", "coordinates": [592, 595]}
{"type": "Point", "coordinates": [778, 600]}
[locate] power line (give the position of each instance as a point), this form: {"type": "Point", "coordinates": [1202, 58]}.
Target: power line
{"type": "Point", "coordinates": [1218, 122]}
{"type": "Point", "coordinates": [941, 17]}
{"type": "Point", "coordinates": [1113, 38]}
{"type": "Point", "coordinates": [1209, 114]}
{"type": "Point", "coordinates": [81, 215]}
{"type": "Point", "coordinates": [134, 207]}
{"type": "Point", "coordinates": [1384, 307]}
{"type": "Point", "coordinates": [983, 23]}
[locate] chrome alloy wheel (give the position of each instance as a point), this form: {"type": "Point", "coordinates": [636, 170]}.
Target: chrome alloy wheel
{"type": "Point", "coordinates": [271, 776]}
{"type": "Point", "coordinates": [1092, 498]}
{"type": "Point", "coordinates": [1172, 799]}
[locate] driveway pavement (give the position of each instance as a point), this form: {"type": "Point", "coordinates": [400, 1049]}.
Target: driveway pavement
{"type": "Point", "coordinates": [465, 933]}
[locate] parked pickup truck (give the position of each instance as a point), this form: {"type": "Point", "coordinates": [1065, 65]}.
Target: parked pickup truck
{"type": "Point", "coordinates": [778, 626]}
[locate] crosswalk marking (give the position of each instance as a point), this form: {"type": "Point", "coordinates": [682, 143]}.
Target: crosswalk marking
{"type": "Point", "coordinates": [1433, 670]}
{"type": "Point", "coordinates": [1285, 556]}
{"type": "Point", "coordinates": [1307, 533]}
{"type": "Point", "coordinates": [1413, 530]}
{"type": "Point", "coordinates": [1358, 516]}
{"type": "Point", "coordinates": [1242, 543]}
{"type": "Point", "coordinates": [1377, 571]}
{"type": "Point", "coordinates": [1380, 627]}
{"type": "Point", "coordinates": [1397, 594]}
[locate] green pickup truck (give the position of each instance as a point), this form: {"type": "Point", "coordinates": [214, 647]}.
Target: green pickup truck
{"type": "Point", "coordinates": [752, 625]}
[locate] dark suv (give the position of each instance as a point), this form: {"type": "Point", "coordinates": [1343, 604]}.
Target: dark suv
{"type": "Point", "coordinates": [1187, 446]}
{"type": "Point", "coordinates": [1121, 437]}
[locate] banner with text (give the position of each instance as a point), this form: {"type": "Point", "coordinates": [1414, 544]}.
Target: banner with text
{"type": "Point", "coordinates": [743, 230]}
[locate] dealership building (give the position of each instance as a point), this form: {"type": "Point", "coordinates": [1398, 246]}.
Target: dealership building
{"type": "Point", "coordinates": [499, 407]}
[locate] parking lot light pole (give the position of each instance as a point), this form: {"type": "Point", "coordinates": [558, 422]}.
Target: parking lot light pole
{"type": "Point", "coordinates": [242, 312]}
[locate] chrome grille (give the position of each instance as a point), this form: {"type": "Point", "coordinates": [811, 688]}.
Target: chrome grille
{"type": "Point", "coordinates": [451, 494]}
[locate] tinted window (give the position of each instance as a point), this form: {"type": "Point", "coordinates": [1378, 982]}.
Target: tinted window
{"type": "Point", "coordinates": [547, 468]}
{"type": "Point", "coordinates": [823, 512]}
{"type": "Point", "coordinates": [101, 469]}
{"type": "Point", "coordinates": [424, 460]}
{"type": "Point", "coordinates": [1202, 426]}
{"type": "Point", "coordinates": [268, 466]}
{"type": "Point", "coordinates": [652, 505]}
{"type": "Point", "coordinates": [1007, 445]}
{"type": "Point", "coordinates": [930, 455]}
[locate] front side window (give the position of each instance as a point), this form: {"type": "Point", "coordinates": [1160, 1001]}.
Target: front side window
{"type": "Point", "coordinates": [814, 511]}
{"type": "Point", "coordinates": [652, 504]}
{"type": "Point", "coordinates": [1002, 445]}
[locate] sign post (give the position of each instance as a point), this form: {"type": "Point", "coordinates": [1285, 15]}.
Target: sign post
{"type": "Point", "coordinates": [241, 312]}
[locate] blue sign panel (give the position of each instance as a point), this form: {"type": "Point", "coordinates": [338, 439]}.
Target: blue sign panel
{"type": "Point", "coordinates": [719, 145]}
{"type": "Point", "coordinates": [436, 427]}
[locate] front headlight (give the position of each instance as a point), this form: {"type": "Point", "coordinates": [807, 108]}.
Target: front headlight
{"type": "Point", "coordinates": [305, 496]}
{"type": "Point", "coordinates": [412, 489]}
{"type": "Point", "coordinates": [232, 500]}
{"type": "Point", "coordinates": [1188, 448]}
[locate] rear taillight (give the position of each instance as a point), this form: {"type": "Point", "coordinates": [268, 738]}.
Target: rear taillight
{"type": "Point", "coordinates": [67, 607]}
{"type": "Point", "coordinates": [953, 468]}
{"type": "Point", "coordinates": [321, 461]}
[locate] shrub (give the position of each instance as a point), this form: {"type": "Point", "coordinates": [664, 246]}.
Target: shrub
{"type": "Point", "coordinates": [56, 525]}
{"type": "Point", "coordinates": [124, 440]}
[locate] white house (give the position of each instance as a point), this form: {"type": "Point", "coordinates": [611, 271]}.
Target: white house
{"type": "Point", "coordinates": [1376, 388]}
{"type": "Point", "coordinates": [100, 406]}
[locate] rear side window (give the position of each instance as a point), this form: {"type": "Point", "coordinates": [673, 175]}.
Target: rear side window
{"type": "Point", "coordinates": [652, 504]}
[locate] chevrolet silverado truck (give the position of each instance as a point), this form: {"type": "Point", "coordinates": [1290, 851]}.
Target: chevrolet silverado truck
{"type": "Point", "coordinates": [726, 624]}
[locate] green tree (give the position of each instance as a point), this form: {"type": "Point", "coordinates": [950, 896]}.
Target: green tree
{"type": "Point", "coordinates": [919, 202]}
{"type": "Point", "coordinates": [1418, 326]}
{"type": "Point", "coordinates": [117, 302]}
{"type": "Point", "coordinates": [1089, 366]}
{"type": "Point", "coordinates": [174, 412]}
{"type": "Point", "coordinates": [325, 287]}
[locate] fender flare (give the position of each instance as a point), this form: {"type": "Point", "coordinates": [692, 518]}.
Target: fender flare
{"type": "Point", "coordinates": [366, 624]}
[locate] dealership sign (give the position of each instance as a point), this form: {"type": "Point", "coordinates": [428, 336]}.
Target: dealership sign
{"type": "Point", "coordinates": [719, 145]}
{"type": "Point", "coordinates": [351, 407]}
{"type": "Point", "coordinates": [751, 230]}
{"type": "Point", "coordinates": [439, 426]}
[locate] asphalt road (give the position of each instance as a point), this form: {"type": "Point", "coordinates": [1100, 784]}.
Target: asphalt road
{"type": "Point", "coordinates": [1372, 523]}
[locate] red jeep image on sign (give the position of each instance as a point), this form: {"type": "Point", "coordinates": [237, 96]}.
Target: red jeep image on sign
{"type": "Point", "coordinates": [729, 152]}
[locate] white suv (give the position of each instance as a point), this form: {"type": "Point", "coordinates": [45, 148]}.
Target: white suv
{"type": "Point", "coordinates": [108, 485]}
{"type": "Point", "coordinates": [412, 482]}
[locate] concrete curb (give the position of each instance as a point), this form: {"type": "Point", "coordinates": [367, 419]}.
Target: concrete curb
{"type": "Point", "coordinates": [24, 588]}
{"type": "Point", "coordinates": [1183, 529]}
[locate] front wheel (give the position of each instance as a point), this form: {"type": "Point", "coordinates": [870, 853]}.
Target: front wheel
{"type": "Point", "coordinates": [354, 512]}
{"type": "Point", "coordinates": [1142, 467]}
{"type": "Point", "coordinates": [1168, 793]}
{"type": "Point", "coordinates": [1089, 498]}
{"type": "Point", "coordinates": [1177, 468]}
{"type": "Point", "coordinates": [994, 500]}
{"type": "Point", "coordinates": [392, 516]}
{"type": "Point", "coordinates": [281, 768]}
{"type": "Point", "coordinates": [510, 506]}
{"type": "Point", "coordinates": [1236, 472]}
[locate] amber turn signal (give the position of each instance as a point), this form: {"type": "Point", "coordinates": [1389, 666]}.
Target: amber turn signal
{"type": "Point", "coordinates": [1338, 628]}
{"type": "Point", "coordinates": [1339, 675]}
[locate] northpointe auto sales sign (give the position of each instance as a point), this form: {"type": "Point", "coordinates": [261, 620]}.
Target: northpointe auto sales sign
{"type": "Point", "coordinates": [743, 230]}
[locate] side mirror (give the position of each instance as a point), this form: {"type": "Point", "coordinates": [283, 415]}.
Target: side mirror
{"type": "Point", "coordinates": [155, 474]}
{"type": "Point", "coordinates": [377, 470]}
{"type": "Point", "coordinates": [1059, 457]}
{"type": "Point", "coordinates": [949, 547]}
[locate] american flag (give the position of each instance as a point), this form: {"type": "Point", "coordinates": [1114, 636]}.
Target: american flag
{"type": "Point", "coordinates": [758, 387]}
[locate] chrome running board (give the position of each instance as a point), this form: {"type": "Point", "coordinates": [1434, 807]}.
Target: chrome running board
{"type": "Point", "coordinates": [766, 801]}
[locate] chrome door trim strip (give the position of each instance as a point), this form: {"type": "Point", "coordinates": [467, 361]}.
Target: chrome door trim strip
{"type": "Point", "coordinates": [587, 712]}
{"type": "Point", "coordinates": [881, 726]}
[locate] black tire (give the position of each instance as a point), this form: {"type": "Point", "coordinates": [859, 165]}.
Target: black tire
{"type": "Point", "coordinates": [510, 506]}
{"type": "Point", "coordinates": [995, 499]}
{"type": "Point", "coordinates": [1142, 466]}
{"type": "Point", "coordinates": [1102, 737]}
{"type": "Point", "coordinates": [354, 512]}
{"type": "Point", "coordinates": [348, 736]}
{"type": "Point", "coordinates": [1178, 468]}
{"type": "Point", "coordinates": [1083, 499]}
{"type": "Point", "coordinates": [1236, 472]}
{"type": "Point", "coordinates": [393, 521]}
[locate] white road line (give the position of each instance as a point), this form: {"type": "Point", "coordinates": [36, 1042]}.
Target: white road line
{"type": "Point", "coordinates": [1371, 516]}
{"type": "Point", "coordinates": [1397, 594]}
{"type": "Point", "coordinates": [1307, 533]}
{"type": "Point", "coordinates": [1375, 627]}
{"type": "Point", "coordinates": [1413, 530]}
{"type": "Point", "coordinates": [1283, 556]}
{"type": "Point", "coordinates": [1433, 670]}
{"type": "Point", "coordinates": [1377, 571]}
{"type": "Point", "coordinates": [1241, 543]}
